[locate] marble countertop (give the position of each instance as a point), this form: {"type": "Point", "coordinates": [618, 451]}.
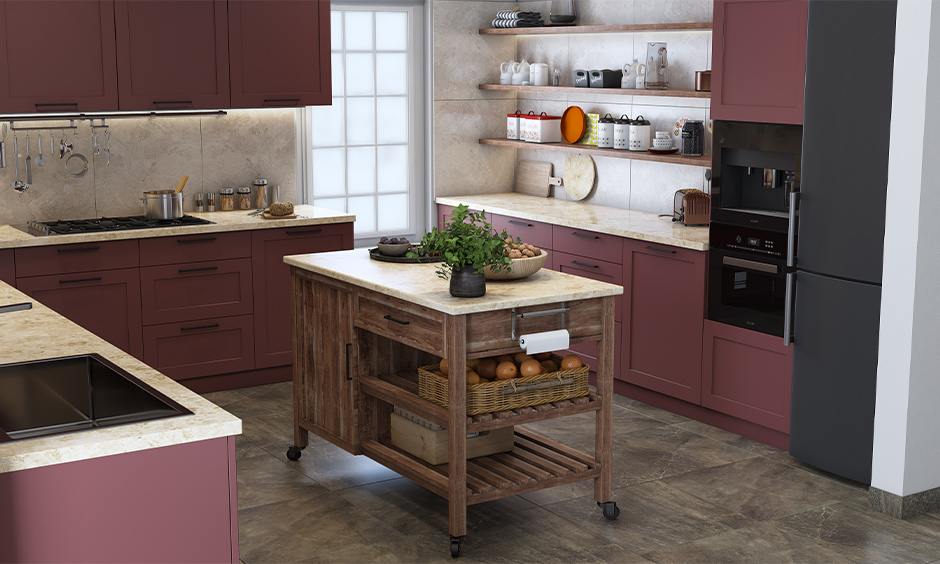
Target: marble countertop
{"type": "Point", "coordinates": [419, 284]}
{"type": "Point", "coordinates": [11, 237]}
{"type": "Point", "coordinates": [40, 333]}
{"type": "Point", "coordinates": [643, 226]}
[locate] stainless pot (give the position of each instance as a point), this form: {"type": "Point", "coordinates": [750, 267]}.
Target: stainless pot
{"type": "Point", "coordinates": [162, 204]}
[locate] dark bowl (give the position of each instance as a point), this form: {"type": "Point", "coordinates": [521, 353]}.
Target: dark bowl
{"type": "Point", "coordinates": [391, 250]}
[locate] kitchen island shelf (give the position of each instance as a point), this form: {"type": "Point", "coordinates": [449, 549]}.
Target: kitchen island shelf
{"type": "Point", "coordinates": [671, 92]}
{"type": "Point", "coordinates": [676, 158]}
{"type": "Point", "coordinates": [623, 28]}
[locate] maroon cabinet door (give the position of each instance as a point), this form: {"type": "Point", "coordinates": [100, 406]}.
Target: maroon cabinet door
{"type": "Point", "coordinates": [444, 212]}
{"type": "Point", "coordinates": [201, 348]}
{"type": "Point", "coordinates": [106, 302]}
{"type": "Point", "coordinates": [759, 60]}
{"type": "Point", "coordinates": [272, 282]}
{"type": "Point", "coordinates": [747, 374]}
{"type": "Point", "coordinates": [57, 56]}
{"type": "Point", "coordinates": [189, 291]}
{"type": "Point", "coordinates": [7, 269]}
{"type": "Point", "coordinates": [663, 314]}
{"type": "Point", "coordinates": [280, 53]}
{"type": "Point", "coordinates": [531, 232]}
{"type": "Point", "coordinates": [172, 55]}
{"type": "Point", "coordinates": [600, 270]}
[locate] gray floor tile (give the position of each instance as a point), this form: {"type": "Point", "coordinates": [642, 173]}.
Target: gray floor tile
{"type": "Point", "coordinates": [649, 411]}
{"type": "Point", "coordinates": [578, 430]}
{"type": "Point", "coordinates": [335, 469]}
{"type": "Point", "coordinates": [265, 479]}
{"type": "Point", "coordinates": [728, 438]}
{"type": "Point", "coordinates": [785, 458]}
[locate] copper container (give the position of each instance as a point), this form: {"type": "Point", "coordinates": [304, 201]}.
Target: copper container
{"type": "Point", "coordinates": [703, 81]}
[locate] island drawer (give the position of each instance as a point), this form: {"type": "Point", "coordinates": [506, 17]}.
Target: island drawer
{"type": "Point", "coordinates": [402, 321]}
{"type": "Point", "coordinates": [531, 232]}
{"type": "Point", "coordinates": [584, 243]}
{"type": "Point", "coordinates": [490, 332]}
{"type": "Point", "coordinates": [195, 248]}
{"type": "Point", "coordinates": [77, 257]}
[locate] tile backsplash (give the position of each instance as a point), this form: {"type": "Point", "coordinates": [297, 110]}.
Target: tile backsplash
{"type": "Point", "coordinates": [150, 154]}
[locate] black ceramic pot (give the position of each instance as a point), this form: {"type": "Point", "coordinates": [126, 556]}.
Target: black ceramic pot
{"type": "Point", "coordinates": [467, 283]}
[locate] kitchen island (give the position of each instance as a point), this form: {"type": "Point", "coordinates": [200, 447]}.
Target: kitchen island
{"type": "Point", "coordinates": [361, 330]}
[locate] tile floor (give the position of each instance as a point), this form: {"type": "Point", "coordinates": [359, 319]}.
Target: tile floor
{"type": "Point", "coordinates": [687, 492]}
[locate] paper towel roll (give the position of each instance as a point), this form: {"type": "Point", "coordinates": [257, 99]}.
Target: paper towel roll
{"type": "Point", "coordinates": [544, 342]}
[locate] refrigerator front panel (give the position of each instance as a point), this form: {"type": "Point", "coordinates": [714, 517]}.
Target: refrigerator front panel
{"type": "Point", "coordinates": [846, 127]}
{"type": "Point", "coordinates": [835, 360]}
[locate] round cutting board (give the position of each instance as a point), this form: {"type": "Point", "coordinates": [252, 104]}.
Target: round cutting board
{"type": "Point", "coordinates": [579, 176]}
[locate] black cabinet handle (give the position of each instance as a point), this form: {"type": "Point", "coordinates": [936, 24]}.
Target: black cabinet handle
{"type": "Point", "coordinates": [302, 231]}
{"type": "Point", "coordinates": [348, 377]}
{"type": "Point", "coordinates": [584, 264]}
{"type": "Point", "coordinates": [79, 250]}
{"type": "Point", "coordinates": [213, 326]}
{"type": "Point", "coordinates": [200, 240]}
{"type": "Point", "coordinates": [520, 223]}
{"type": "Point", "coordinates": [660, 250]}
{"type": "Point", "coordinates": [173, 103]}
{"type": "Point", "coordinates": [203, 269]}
{"type": "Point", "coordinates": [52, 107]}
{"type": "Point", "coordinates": [390, 318]}
{"type": "Point", "coordinates": [77, 280]}
{"type": "Point", "coordinates": [576, 234]}
{"type": "Point", "coordinates": [282, 101]}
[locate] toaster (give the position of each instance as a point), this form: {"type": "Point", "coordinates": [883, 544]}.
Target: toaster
{"type": "Point", "coordinates": [691, 207]}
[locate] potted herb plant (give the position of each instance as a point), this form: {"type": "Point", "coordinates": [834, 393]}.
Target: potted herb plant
{"type": "Point", "coordinates": [466, 244]}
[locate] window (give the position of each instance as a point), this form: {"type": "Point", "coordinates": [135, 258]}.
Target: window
{"type": "Point", "coordinates": [365, 153]}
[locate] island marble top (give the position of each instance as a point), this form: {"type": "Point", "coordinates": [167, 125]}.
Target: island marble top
{"type": "Point", "coordinates": [40, 333]}
{"type": "Point", "coordinates": [419, 284]}
{"type": "Point", "coordinates": [643, 226]}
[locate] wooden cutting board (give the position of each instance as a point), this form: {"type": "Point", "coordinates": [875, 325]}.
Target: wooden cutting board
{"type": "Point", "coordinates": [579, 176]}
{"type": "Point", "coordinates": [535, 178]}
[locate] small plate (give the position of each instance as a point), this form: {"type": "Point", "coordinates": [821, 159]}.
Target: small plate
{"type": "Point", "coordinates": [573, 124]}
{"type": "Point", "coordinates": [663, 151]}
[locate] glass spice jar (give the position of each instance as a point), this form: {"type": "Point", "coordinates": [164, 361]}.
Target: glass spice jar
{"type": "Point", "coordinates": [226, 199]}
{"type": "Point", "coordinates": [244, 197]}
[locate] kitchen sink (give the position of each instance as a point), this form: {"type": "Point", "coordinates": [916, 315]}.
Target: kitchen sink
{"type": "Point", "coordinates": [64, 395]}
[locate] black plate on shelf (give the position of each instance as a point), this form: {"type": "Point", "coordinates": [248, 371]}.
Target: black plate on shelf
{"type": "Point", "coordinates": [374, 254]}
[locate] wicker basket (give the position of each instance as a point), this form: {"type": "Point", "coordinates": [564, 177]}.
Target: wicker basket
{"type": "Point", "coordinates": [500, 395]}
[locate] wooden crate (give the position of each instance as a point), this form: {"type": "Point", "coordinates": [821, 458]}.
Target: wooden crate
{"type": "Point", "coordinates": [429, 442]}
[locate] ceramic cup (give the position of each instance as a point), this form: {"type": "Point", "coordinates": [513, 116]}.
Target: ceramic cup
{"type": "Point", "coordinates": [664, 135]}
{"type": "Point", "coordinates": [661, 144]}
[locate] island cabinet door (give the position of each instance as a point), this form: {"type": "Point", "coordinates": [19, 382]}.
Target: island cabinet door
{"type": "Point", "coordinates": [7, 269]}
{"type": "Point", "coordinates": [271, 280]}
{"type": "Point", "coordinates": [663, 317]}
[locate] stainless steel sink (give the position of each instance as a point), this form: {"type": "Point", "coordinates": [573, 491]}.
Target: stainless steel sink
{"type": "Point", "coordinates": [65, 395]}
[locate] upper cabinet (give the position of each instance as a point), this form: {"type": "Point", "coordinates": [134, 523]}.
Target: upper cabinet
{"type": "Point", "coordinates": [57, 56]}
{"type": "Point", "coordinates": [280, 53]}
{"type": "Point", "coordinates": [172, 55]}
{"type": "Point", "coordinates": [759, 60]}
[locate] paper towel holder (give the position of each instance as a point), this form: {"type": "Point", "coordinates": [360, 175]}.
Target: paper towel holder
{"type": "Point", "coordinates": [561, 310]}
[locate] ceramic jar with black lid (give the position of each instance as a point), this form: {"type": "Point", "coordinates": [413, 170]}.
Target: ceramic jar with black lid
{"type": "Point", "coordinates": [640, 134]}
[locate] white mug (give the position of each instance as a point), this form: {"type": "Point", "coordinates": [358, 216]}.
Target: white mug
{"type": "Point", "coordinates": [538, 74]}
{"type": "Point", "coordinates": [505, 72]}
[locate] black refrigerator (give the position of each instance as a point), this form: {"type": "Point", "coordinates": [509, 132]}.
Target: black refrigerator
{"type": "Point", "coordinates": [838, 262]}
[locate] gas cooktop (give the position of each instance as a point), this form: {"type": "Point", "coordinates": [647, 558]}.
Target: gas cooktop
{"type": "Point", "coordinates": [65, 227]}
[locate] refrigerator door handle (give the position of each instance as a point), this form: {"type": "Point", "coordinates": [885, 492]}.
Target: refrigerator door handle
{"type": "Point", "coordinates": [791, 229]}
{"type": "Point", "coordinates": [788, 310]}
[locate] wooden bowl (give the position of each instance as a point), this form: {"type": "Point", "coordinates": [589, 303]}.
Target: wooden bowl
{"type": "Point", "coordinates": [520, 268]}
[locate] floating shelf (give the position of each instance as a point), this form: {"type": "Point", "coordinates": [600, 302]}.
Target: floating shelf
{"type": "Point", "coordinates": [674, 92]}
{"type": "Point", "coordinates": [703, 161]}
{"type": "Point", "coordinates": [563, 29]}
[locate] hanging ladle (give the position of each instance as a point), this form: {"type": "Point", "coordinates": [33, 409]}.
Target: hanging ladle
{"type": "Point", "coordinates": [17, 184]}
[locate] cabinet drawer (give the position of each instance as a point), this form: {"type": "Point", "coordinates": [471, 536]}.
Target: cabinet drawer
{"type": "Point", "coordinates": [184, 292]}
{"type": "Point", "coordinates": [532, 232]}
{"type": "Point", "coordinates": [408, 323]}
{"type": "Point", "coordinates": [599, 246]}
{"type": "Point", "coordinates": [600, 270]}
{"type": "Point", "coordinates": [195, 248]}
{"type": "Point", "coordinates": [78, 257]}
{"type": "Point", "coordinates": [201, 348]}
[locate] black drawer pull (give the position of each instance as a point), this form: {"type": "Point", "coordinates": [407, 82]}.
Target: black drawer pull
{"type": "Point", "coordinates": [49, 107]}
{"type": "Point", "coordinates": [213, 326]}
{"type": "Point", "coordinates": [201, 240]}
{"type": "Point", "coordinates": [77, 280]}
{"type": "Point", "coordinates": [576, 234]}
{"type": "Point", "coordinates": [520, 223]}
{"type": "Point", "coordinates": [660, 250]}
{"type": "Point", "coordinates": [302, 231]}
{"type": "Point", "coordinates": [293, 101]}
{"type": "Point", "coordinates": [584, 264]}
{"type": "Point", "coordinates": [173, 102]}
{"type": "Point", "coordinates": [390, 318]}
{"type": "Point", "coordinates": [80, 250]}
{"type": "Point", "coordinates": [204, 269]}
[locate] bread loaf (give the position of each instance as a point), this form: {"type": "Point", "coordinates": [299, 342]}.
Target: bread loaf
{"type": "Point", "coordinates": [281, 208]}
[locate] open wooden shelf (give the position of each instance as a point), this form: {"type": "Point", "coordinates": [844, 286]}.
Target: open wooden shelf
{"type": "Point", "coordinates": [673, 92]}
{"type": "Point", "coordinates": [675, 158]}
{"type": "Point", "coordinates": [563, 29]}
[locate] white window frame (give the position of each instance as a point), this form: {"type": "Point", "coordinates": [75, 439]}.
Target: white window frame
{"type": "Point", "coordinates": [418, 109]}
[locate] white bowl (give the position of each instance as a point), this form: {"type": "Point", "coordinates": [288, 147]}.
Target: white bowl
{"type": "Point", "coordinates": [662, 144]}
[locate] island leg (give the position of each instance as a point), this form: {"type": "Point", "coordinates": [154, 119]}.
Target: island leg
{"type": "Point", "coordinates": [297, 345]}
{"type": "Point", "coordinates": [603, 446]}
{"type": "Point", "coordinates": [455, 349]}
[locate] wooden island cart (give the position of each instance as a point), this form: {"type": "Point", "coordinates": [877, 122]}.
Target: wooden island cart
{"type": "Point", "coordinates": [362, 328]}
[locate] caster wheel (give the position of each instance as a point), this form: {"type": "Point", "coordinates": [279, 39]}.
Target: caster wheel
{"type": "Point", "coordinates": [293, 453]}
{"type": "Point", "coordinates": [611, 511]}
{"type": "Point", "coordinates": [455, 546]}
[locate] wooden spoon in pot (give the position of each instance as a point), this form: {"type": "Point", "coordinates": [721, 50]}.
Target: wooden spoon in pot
{"type": "Point", "coordinates": [182, 184]}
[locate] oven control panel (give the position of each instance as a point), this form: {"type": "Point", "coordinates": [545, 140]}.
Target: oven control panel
{"type": "Point", "coordinates": [737, 238]}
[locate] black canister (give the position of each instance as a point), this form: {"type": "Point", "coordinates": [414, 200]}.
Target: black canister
{"type": "Point", "coordinates": [693, 138]}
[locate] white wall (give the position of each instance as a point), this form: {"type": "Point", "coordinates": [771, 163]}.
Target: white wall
{"type": "Point", "coordinates": [906, 459]}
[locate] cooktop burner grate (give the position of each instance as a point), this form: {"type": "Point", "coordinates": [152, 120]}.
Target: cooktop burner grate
{"type": "Point", "coordinates": [64, 227]}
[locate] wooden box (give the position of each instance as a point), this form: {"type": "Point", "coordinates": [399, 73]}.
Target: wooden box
{"type": "Point", "coordinates": [429, 442]}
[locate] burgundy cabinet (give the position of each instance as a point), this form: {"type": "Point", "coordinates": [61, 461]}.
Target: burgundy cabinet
{"type": "Point", "coordinates": [105, 302]}
{"type": "Point", "coordinates": [587, 243]}
{"type": "Point", "coordinates": [600, 270]}
{"type": "Point", "coordinates": [188, 291]}
{"type": "Point", "coordinates": [663, 314]}
{"type": "Point", "coordinates": [272, 282]}
{"type": "Point", "coordinates": [444, 212]}
{"type": "Point", "coordinates": [747, 374]}
{"type": "Point", "coordinates": [57, 56]}
{"type": "Point", "coordinates": [172, 55]}
{"type": "Point", "coordinates": [195, 248]}
{"type": "Point", "coordinates": [7, 269]}
{"type": "Point", "coordinates": [279, 53]}
{"type": "Point", "coordinates": [532, 232]}
{"type": "Point", "coordinates": [203, 347]}
{"type": "Point", "coordinates": [77, 257]}
{"type": "Point", "coordinates": [759, 60]}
